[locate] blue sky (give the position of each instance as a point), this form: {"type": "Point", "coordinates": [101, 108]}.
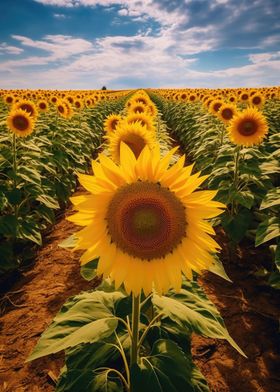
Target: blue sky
{"type": "Point", "coordinates": [85, 44]}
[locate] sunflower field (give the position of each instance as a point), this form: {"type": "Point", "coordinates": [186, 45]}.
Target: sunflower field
{"type": "Point", "coordinates": [139, 240]}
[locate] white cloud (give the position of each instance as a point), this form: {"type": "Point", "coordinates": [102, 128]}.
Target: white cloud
{"type": "Point", "coordinates": [9, 49]}
{"type": "Point", "coordinates": [263, 57]}
{"type": "Point", "coordinates": [59, 16]}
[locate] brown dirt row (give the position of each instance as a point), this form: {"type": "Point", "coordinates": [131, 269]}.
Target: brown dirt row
{"type": "Point", "coordinates": [250, 311]}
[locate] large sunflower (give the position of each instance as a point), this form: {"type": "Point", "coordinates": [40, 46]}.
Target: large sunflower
{"type": "Point", "coordinates": [134, 135]}
{"type": "Point", "coordinates": [248, 127]}
{"type": "Point", "coordinates": [20, 122]}
{"type": "Point", "coordinates": [144, 221]}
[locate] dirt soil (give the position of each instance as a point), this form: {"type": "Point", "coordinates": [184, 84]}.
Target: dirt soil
{"type": "Point", "coordinates": [249, 308]}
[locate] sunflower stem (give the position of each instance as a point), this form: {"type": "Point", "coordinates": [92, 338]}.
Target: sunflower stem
{"type": "Point", "coordinates": [135, 329]}
{"type": "Point", "coordinates": [14, 153]}
{"type": "Point", "coordinates": [235, 176]}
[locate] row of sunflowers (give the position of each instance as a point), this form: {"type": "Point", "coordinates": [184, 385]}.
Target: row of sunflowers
{"type": "Point", "coordinates": [233, 136]}
{"type": "Point", "coordinates": [45, 137]}
{"type": "Point", "coordinates": [147, 230]}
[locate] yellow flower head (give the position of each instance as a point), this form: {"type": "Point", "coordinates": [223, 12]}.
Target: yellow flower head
{"type": "Point", "coordinates": [111, 122]}
{"type": "Point", "coordinates": [43, 105]}
{"type": "Point", "coordinates": [144, 119]}
{"type": "Point", "coordinates": [227, 112]}
{"type": "Point", "coordinates": [144, 221]}
{"type": "Point", "coordinates": [28, 106]}
{"type": "Point", "coordinates": [20, 122]}
{"type": "Point", "coordinates": [248, 127]}
{"type": "Point", "coordinates": [134, 135]}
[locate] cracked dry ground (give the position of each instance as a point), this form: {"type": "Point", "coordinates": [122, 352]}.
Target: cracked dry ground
{"type": "Point", "coordinates": [250, 311]}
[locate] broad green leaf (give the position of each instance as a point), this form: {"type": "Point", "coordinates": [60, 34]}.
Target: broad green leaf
{"type": "Point", "coordinates": [166, 369]}
{"type": "Point", "coordinates": [85, 318]}
{"type": "Point", "coordinates": [267, 230]}
{"type": "Point", "coordinates": [191, 309]}
{"type": "Point", "coordinates": [271, 199]}
{"type": "Point", "coordinates": [236, 226]}
{"type": "Point", "coordinates": [81, 362]}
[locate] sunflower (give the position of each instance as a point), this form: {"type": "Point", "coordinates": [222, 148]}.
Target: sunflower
{"type": "Point", "coordinates": [28, 106]}
{"type": "Point", "coordinates": [43, 105]}
{"type": "Point", "coordinates": [9, 99]}
{"type": "Point", "coordinates": [227, 112]}
{"type": "Point", "coordinates": [134, 135]}
{"type": "Point", "coordinates": [152, 109]}
{"type": "Point", "coordinates": [143, 118]}
{"type": "Point", "coordinates": [20, 122]}
{"type": "Point", "coordinates": [137, 108]}
{"type": "Point", "coordinates": [215, 106]}
{"type": "Point", "coordinates": [111, 122]}
{"type": "Point", "coordinates": [248, 127]}
{"type": "Point", "coordinates": [62, 108]}
{"type": "Point", "coordinates": [144, 221]}
{"type": "Point", "coordinates": [78, 104]}
{"type": "Point", "coordinates": [257, 100]}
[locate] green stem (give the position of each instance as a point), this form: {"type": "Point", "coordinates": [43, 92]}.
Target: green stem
{"type": "Point", "coordinates": [235, 176]}
{"type": "Point", "coordinates": [14, 153]}
{"type": "Point", "coordinates": [154, 320]}
{"type": "Point", "coordinates": [135, 329]}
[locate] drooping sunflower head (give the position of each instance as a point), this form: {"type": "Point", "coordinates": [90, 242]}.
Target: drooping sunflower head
{"type": "Point", "coordinates": [20, 122]}
{"type": "Point", "coordinates": [133, 135]}
{"type": "Point", "coordinates": [111, 122]}
{"type": "Point", "coordinates": [152, 109]}
{"type": "Point", "coordinates": [144, 221]}
{"type": "Point", "coordinates": [28, 106]}
{"type": "Point", "coordinates": [227, 112]}
{"type": "Point", "coordinates": [248, 127]}
{"type": "Point", "coordinates": [144, 119]}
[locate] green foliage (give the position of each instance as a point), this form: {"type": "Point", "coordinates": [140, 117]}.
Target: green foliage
{"type": "Point", "coordinates": [38, 174]}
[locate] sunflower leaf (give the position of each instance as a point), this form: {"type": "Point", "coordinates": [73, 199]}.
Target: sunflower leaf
{"type": "Point", "coordinates": [191, 309]}
{"type": "Point", "coordinates": [85, 318]}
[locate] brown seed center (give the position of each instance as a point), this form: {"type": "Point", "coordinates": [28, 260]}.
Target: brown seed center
{"type": "Point", "coordinates": [247, 128]}
{"type": "Point", "coordinates": [146, 220]}
{"type": "Point", "coordinates": [256, 100]}
{"type": "Point", "coordinates": [20, 122]}
{"type": "Point", "coordinates": [227, 114]}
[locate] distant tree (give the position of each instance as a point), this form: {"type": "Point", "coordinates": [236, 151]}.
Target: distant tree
{"type": "Point", "coordinates": [104, 88]}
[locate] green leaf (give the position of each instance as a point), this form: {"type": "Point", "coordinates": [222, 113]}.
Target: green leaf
{"type": "Point", "coordinates": [166, 370]}
{"type": "Point", "coordinates": [272, 198]}
{"type": "Point", "coordinates": [218, 269]}
{"type": "Point", "coordinates": [69, 242]}
{"type": "Point", "coordinates": [48, 201]}
{"type": "Point", "coordinates": [236, 226]}
{"type": "Point", "coordinates": [191, 309]}
{"type": "Point", "coordinates": [88, 270]}
{"type": "Point", "coordinates": [81, 363]}
{"type": "Point", "coordinates": [14, 196]}
{"type": "Point", "coordinates": [267, 230]}
{"type": "Point", "coordinates": [29, 230]}
{"type": "Point", "coordinates": [85, 318]}
{"type": "Point", "coordinates": [8, 225]}
{"type": "Point", "coordinates": [244, 198]}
